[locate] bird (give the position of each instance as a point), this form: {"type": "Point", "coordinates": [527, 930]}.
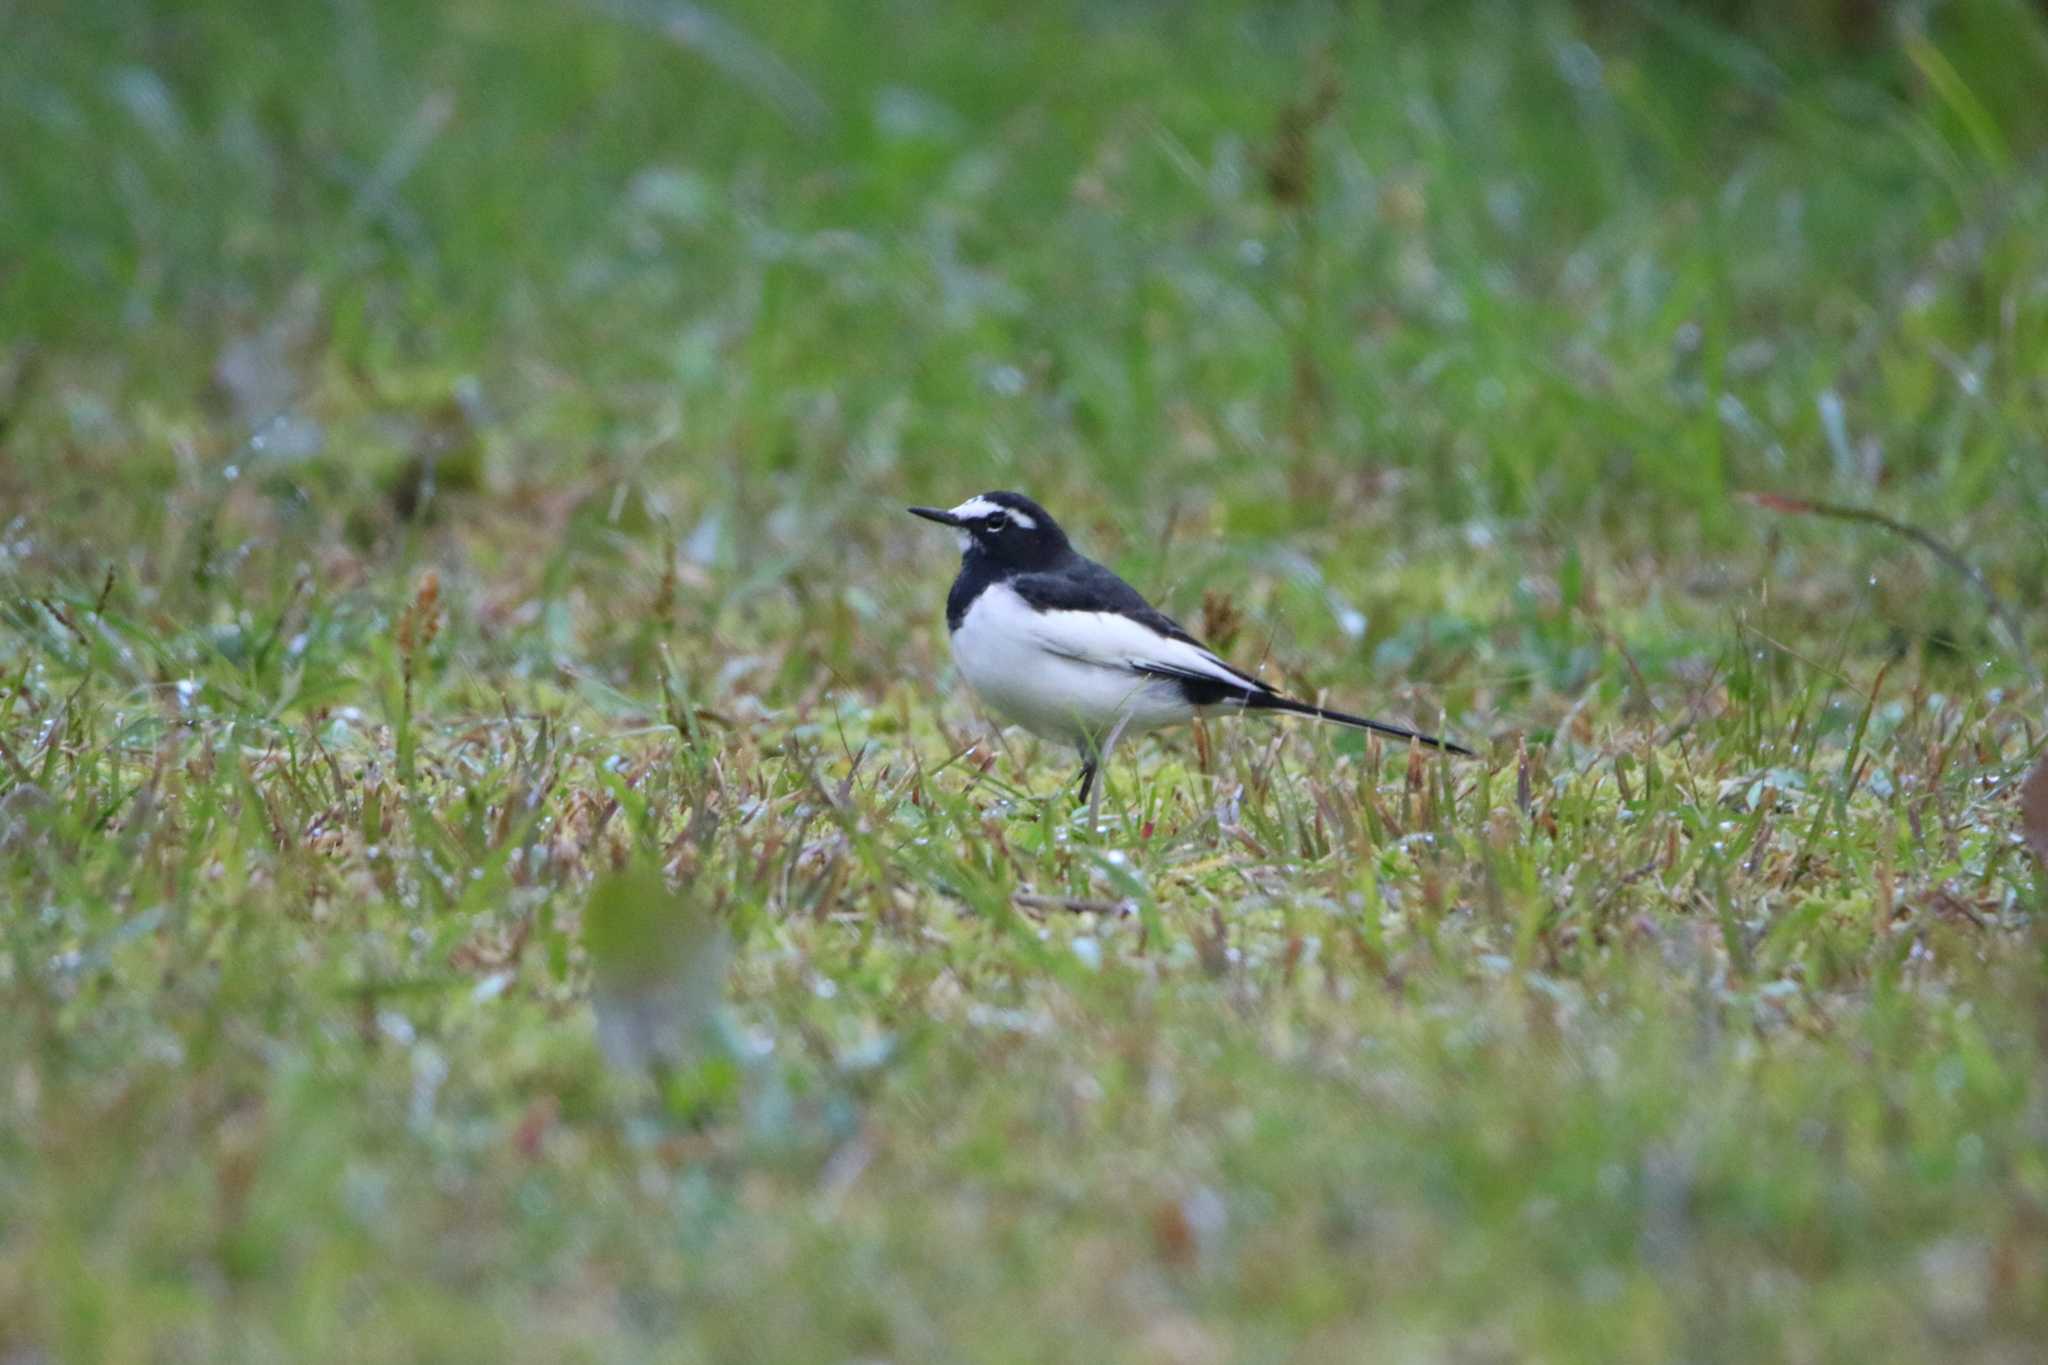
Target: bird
{"type": "Point", "coordinates": [1053, 641]}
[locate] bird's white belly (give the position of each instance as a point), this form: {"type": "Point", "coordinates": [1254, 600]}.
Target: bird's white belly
{"type": "Point", "coordinates": [1001, 653]}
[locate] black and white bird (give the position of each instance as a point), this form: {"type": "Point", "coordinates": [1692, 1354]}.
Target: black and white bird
{"type": "Point", "coordinates": [1055, 642]}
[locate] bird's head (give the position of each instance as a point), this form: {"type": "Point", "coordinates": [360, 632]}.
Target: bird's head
{"type": "Point", "coordinates": [1008, 528]}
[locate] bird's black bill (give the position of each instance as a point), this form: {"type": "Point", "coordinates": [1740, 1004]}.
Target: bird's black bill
{"type": "Point", "coordinates": [938, 514]}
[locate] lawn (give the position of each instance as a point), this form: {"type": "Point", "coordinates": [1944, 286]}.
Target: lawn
{"type": "Point", "coordinates": [496, 862]}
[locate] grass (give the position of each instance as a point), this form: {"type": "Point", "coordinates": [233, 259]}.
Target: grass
{"type": "Point", "coordinates": [497, 864]}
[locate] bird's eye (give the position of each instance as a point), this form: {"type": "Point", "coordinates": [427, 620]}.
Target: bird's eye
{"type": "Point", "coordinates": [995, 521]}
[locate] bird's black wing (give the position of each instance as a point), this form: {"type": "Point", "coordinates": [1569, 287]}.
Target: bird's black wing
{"type": "Point", "coordinates": [1085, 585]}
{"type": "Point", "coordinates": [1155, 645]}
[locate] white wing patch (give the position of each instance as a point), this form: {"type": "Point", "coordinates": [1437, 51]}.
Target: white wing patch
{"type": "Point", "coordinates": [1108, 640]}
{"type": "Point", "coordinates": [1043, 680]}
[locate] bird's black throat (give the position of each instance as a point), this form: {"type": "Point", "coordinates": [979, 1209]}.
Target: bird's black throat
{"type": "Point", "coordinates": [1019, 538]}
{"type": "Point", "coordinates": [976, 573]}
{"type": "Point", "coordinates": [980, 571]}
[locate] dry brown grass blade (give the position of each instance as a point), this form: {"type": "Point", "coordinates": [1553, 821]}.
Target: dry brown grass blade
{"type": "Point", "coordinates": [1078, 905]}
{"type": "Point", "coordinates": [2034, 809]}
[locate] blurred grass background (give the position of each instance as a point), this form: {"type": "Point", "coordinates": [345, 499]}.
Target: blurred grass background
{"type": "Point", "coordinates": [1579, 265]}
{"type": "Point", "coordinates": [1421, 351]}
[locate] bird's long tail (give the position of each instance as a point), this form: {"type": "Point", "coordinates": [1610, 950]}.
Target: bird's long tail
{"type": "Point", "coordinates": [1273, 701]}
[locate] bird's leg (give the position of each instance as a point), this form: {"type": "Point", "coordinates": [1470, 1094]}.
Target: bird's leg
{"type": "Point", "coordinates": [1098, 758]}
{"type": "Point", "coordinates": [1087, 777]}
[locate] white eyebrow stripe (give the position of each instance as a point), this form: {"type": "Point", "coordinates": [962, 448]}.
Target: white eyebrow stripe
{"type": "Point", "coordinates": [977, 507]}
